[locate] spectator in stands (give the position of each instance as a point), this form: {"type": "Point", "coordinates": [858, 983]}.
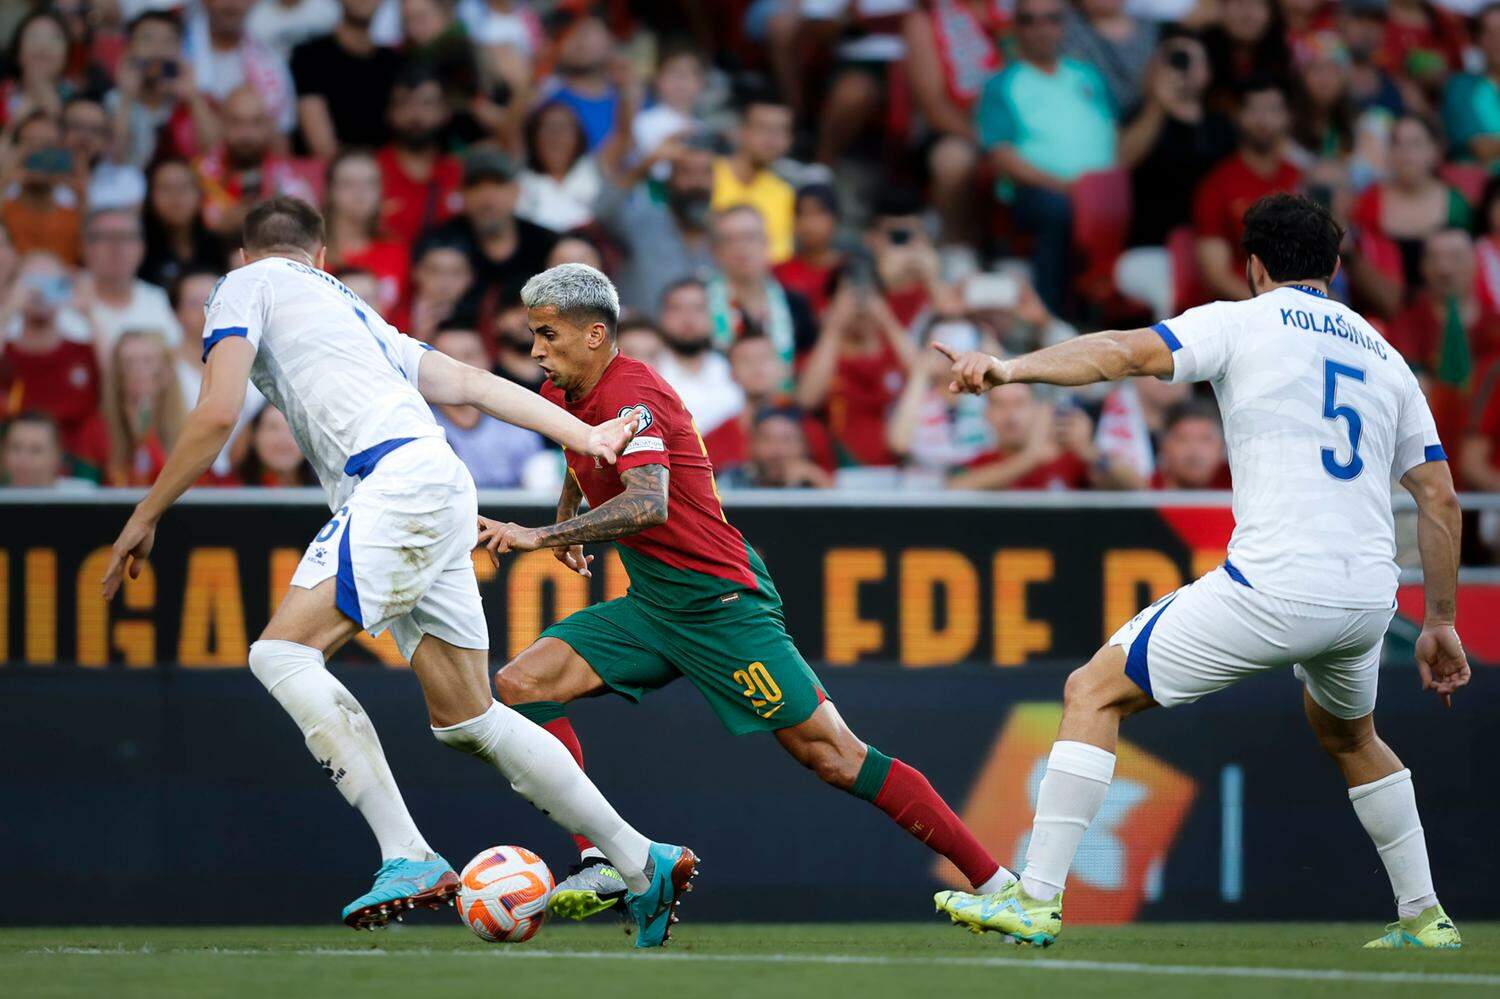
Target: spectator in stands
{"type": "Point", "coordinates": [952, 47]}
{"type": "Point", "coordinates": [932, 430]}
{"type": "Point", "coordinates": [677, 86]}
{"type": "Point", "coordinates": [435, 40]}
{"type": "Point", "coordinates": [1017, 117]}
{"type": "Point", "coordinates": [32, 452]}
{"type": "Point", "coordinates": [43, 370]}
{"type": "Point", "coordinates": [581, 78]}
{"type": "Point", "coordinates": [1192, 453]}
{"type": "Point", "coordinates": [420, 180]}
{"type": "Point", "coordinates": [906, 263]}
{"type": "Point", "coordinates": [283, 25]}
{"type": "Point", "coordinates": [742, 293]}
{"type": "Point", "coordinates": [1169, 147]}
{"type": "Point", "coordinates": [641, 339]}
{"type": "Point", "coordinates": [511, 348]}
{"type": "Point", "coordinates": [761, 378]}
{"type": "Point", "coordinates": [1258, 168]}
{"type": "Point", "coordinates": [1361, 23]}
{"type": "Point", "coordinates": [344, 83]}
{"type": "Point", "coordinates": [442, 286]}
{"type": "Point", "coordinates": [246, 168]}
{"type": "Point", "coordinates": [273, 458]}
{"type": "Point", "coordinates": [1486, 219]}
{"type": "Point", "coordinates": [113, 249]}
{"type": "Point", "coordinates": [1246, 45]}
{"type": "Point", "coordinates": [855, 372]}
{"type": "Point", "coordinates": [698, 373]}
{"type": "Point", "coordinates": [778, 456]}
{"type": "Point", "coordinates": [664, 239]}
{"type": "Point", "coordinates": [354, 235]}
{"type": "Point", "coordinates": [35, 70]}
{"type": "Point", "coordinates": [143, 408]}
{"type": "Point", "coordinates": [1132, 419]}
{"type": "Point", "coordinates": [1471, 101]}
{"type": "Point", "coordinates": [226, 59]}
{"type": "Point", "coordinates": [100, 182]}
{"type": "Point", "coordinates": [156, 105]}
{"type": "Point", "coordinates": [1422, 42]}
{"type": "Point", "coordinates": [504, 251]}
{"type": "Point", "coordinates": [1323, 125]}
{"type": "Point", "coordinates": [745, 177]}
{"type": "Point", "coordinates": [41, 214]}
{"type": "Point", "coordinates": [1479, 456]}
{"type": "Point", "coordinates": [176, 238]}
{"type": "Point", "coordinates": [866, 39]}
{"type": "Point", "coordinates": [494, 451]}
{"type": "Point", "coordinates": [815, 228]}
{"type": "Point", "coordinates": [1118, 44]}
{"type": "Point", "coordinates": [560, 182]}
{"type": "Point", "coordinates": [1037, 445]}
{"type": "Point", "coordinates": [1447, 332]}
{"type": "Point", "coordinates": [1410, 205]}
{"type": "Point", "coordinates": [576, 249]}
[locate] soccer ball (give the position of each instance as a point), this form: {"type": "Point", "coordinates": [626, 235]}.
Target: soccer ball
{"type": "Point", "coordinates": [503, 894]}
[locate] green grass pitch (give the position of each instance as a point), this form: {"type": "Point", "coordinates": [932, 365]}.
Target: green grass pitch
{"type": "Point", "coordinates": [728, 961]}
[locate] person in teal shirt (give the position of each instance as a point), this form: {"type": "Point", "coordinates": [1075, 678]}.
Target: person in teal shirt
{"type": "Point", "coordinates": [1471, 101]}
{"type": "Point", "coordinates": [1046, 120]}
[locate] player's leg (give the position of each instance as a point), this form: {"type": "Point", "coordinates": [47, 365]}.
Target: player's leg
{"type": "Point", "coordinates": [289, 659]}
{"type": "Point", "coordinates": [539, 683]}
{"type": "Point", "coordinates": [825, 745]}
{"type": "Point", "coordinates": [1339, 699]}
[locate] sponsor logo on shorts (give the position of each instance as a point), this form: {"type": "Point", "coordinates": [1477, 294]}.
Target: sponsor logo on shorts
{"type": "Point", "coordinates": [318, 555]}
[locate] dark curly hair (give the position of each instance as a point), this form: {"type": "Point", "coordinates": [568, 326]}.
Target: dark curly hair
{"type": "Point", "coordinates": [1295, 237]}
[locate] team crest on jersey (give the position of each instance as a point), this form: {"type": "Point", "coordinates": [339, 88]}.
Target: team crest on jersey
{"type": "Point", "coordinates": [640, 410]}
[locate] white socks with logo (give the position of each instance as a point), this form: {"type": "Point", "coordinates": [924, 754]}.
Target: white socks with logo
{"type": "Point", "coordinates": [1387, 808]}
{"type": "Point", "coordinates": [1072, 790]}
{"type": "Point", "coordinates": [543, 772]}
{"type": "Point", "coordinates": [342, 740]}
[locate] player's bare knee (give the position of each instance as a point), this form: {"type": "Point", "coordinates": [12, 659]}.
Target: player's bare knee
{"type": "Point", "coordinates": [832, 764]}
{"type": "Point", "coordinates": [1081, 691]}
{"type": "Point", "coordinates": [1345, 739]}
{"type": "Point", "coordinates": [514, 686]}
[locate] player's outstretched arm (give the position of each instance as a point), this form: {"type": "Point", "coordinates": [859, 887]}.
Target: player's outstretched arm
{"type": "Point", "coordinates": [205, 431]}
{"type": "Point", "coordinates": [642, 505]}
{"type": "Point", "coordinates": [445, 381]}
{"type": "Point", "coordinates": [1084, 360]}
{"type": "Point", "coordinates": [1440, 655]}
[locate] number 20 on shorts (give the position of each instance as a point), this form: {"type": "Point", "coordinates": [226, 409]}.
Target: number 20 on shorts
{"type": "Point", "coordinates": [760, 688]}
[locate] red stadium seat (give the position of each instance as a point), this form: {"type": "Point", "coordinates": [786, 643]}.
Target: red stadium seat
{"type": "Point", "coordinates": [1101, 222]}
{"type": "Point", "coordinates": [1468, 178]}
{"type": "Point", "coordinates": [1187, 286]}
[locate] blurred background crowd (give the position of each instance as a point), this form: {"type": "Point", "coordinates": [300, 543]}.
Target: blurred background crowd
{"type": "Point", "coordinates": [795, 197]}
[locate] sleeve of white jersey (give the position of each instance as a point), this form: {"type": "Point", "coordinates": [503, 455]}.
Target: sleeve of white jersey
{"type": "Point", "coordinates": [1416, 433]}
{"type": "Point", "coordinates": [1200, 341]}
{"type": "Point", "coordinates": [238, 306]}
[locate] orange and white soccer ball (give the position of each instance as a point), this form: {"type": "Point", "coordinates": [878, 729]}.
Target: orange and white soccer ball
{"type": "Point", "coordinates": [503, 893]}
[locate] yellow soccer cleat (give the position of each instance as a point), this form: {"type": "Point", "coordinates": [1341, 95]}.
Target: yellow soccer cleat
{"type": "Point", "coordinates": [1010, 911]}
{"type": "Point", "coordinates": [1431, 928]}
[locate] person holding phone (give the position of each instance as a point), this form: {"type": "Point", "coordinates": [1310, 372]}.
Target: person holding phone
{"type": "Point", "coordinates": [156, 105]}
{"type": "Point", "coordinates": [40, 215]}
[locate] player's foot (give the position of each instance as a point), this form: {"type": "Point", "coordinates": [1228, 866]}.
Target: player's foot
{"type": "Point", "coordinates": [402, 884]}
{"type": "Point", "coordinates": [670, 869]}
{"type": "Point", "coordinates": [592, 886]}
{"type": "Point", "coordinates": [1430, 928]}
{"type": "Point", "coordinates": [1010, 911]}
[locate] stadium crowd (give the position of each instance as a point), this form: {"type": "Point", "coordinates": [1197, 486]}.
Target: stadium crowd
{"type": "Point", "coordinates": [794, 197]}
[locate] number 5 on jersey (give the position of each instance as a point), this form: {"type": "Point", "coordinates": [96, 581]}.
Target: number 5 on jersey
{"type": "Point", "coordinates": [1333, 410]}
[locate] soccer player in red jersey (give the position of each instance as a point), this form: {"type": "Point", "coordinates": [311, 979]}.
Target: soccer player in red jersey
{"type": "Point", "coordinates": [700, 604]}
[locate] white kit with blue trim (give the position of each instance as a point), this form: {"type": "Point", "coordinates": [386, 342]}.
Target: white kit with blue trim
{"type": "Point", "coordinates": [406, 512]}
{"type": "Point", "coordinates": [1320, 415]}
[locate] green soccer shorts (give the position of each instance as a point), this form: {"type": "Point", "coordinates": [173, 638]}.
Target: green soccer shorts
{"type": "Point", "coordinates": [739, 656]}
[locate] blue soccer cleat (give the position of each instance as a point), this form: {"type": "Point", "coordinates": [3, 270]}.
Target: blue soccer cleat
{"type": "Point", "coordinates": [670, 869]}
{"type": "Point", "coordinates": [400, 885]}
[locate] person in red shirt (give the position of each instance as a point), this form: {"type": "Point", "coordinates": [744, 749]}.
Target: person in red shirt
{"type": "Point", "coordinates": [41, 370]}
{"type": "Point", "coordinates": [855, 372]}
{"type": "Point", "coordinates": [246, 167]}
{"type": "Point", "coordinates": [1037, 446]}
{"type": "Point", "coordinates": [700, 603]}
{"type": "Point", "coordinates": [763, 376]}
{"type": "Point", "coordinates": [1259, 167]}
{"type": "Point", "coordinates": [355, 238]}
{"type": "Point", "coordinates": [1479, 459]}
{"type": "Point", "coordinates": [810, 268]}
{"type": "Point", "coordinates": [421, 182]}
{"type": "Point", "coordinates": [143, 408]}
{"type": "Point", "coordinates": [1191, 454]}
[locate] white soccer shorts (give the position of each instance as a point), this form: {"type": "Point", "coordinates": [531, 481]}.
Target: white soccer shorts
{"type": "Point", "coordinates": [1219, 629]}
{"type": "Point", "coordinates": [401, 548]}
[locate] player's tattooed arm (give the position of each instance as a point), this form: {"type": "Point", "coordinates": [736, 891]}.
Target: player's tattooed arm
{"type": "Point", "coordinates": [642, 505]}
{"type": "Point", "coordinates": [570, 500]}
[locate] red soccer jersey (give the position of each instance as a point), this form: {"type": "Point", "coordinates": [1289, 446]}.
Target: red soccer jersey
{"type": "Point", "coordinates": [696, 537]}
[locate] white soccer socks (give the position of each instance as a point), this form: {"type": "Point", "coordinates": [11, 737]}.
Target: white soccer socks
{"type": "Point", "coordinates": [1072, 790]}
{"type": "Point", "coordinates": [542, 771]}
{"type": "Point", "coordinates": [342, 740]}
{"type": "Point", "coordinates": [1387, 808]}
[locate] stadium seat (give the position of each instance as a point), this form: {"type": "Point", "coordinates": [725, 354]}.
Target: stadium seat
{"type": "Point", "coordinates": [1101, 222]}
{"type": "Point", "coordinates": [1468, 178]}
{"type": "Point", "coordinates": [1187, 286]}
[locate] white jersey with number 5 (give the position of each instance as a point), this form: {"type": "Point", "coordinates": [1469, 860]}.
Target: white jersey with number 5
{"type": "Point", "coordinates": [1320, 414]}
{"type": "Point", "coordinates": [345, 379]}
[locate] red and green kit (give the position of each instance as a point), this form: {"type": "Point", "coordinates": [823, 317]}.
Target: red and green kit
{"type": "Point", "coordinates": [700, 602]}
